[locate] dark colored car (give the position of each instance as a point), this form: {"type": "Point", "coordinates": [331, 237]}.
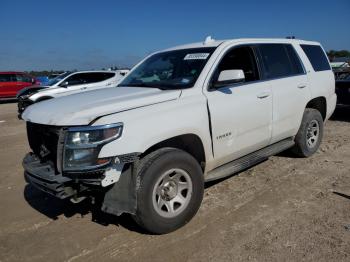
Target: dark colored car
{"type": "Point", "coordinates": [342, 89]}
{"type": "Point", "coordinates": [12, 82]}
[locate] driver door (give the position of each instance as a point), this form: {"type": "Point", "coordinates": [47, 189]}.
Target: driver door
{"type": "Point", "coordinates": [241, 113]}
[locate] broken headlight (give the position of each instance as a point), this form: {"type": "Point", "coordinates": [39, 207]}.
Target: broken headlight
{"type": "Point", "coordinates": [83, 145]}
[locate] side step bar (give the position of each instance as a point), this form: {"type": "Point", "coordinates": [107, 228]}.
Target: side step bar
{"type": "Point", "coordinates": [244, 162]}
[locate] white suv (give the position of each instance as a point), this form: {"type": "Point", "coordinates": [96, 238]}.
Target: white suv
{"type": "Point", "coordinates": [181, 117]}
{"type": "Point", "coordinates": [68, 83]}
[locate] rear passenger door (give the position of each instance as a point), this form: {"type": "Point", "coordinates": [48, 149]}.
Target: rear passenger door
{"type": "Point", "coordinates": [286, 75]}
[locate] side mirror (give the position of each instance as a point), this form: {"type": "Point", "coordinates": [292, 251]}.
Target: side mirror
{"type": "Point", "coordinates": [228, 77]}
{"type": "Point", "coordinates": [64, 84]}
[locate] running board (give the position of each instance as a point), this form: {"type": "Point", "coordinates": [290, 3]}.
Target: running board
{"type": "Point", "coordinates": [242, 163]}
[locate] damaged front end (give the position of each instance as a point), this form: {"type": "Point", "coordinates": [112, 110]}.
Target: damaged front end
{"type": "Point", "coordinates": [65, 164]}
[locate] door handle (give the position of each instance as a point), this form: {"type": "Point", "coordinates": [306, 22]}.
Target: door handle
{"type": "Point", "coordinates": [83, 88]}
{"type": "Point", "coordinates": [301, 86]}
{"type": "Point", "coordinates": [263, 95]}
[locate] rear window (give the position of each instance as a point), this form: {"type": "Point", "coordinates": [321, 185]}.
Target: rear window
{"type": "Point", "coordinates": [317, 57]}
{"type": "Point", "coordinates": [280, 60]}
{"type": "Point", "coordinates": [7, 78]}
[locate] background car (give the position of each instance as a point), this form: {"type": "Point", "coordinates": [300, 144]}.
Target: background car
{"type": "Point", "coordinates": [12, 82]}
{"type": "Point", "coordinates": [66, 84]}
{"type": "Point", "coordinates": [342, 89]}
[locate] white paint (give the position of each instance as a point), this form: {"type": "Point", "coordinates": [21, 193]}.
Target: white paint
{"type": "Point", "coordinates": [249, 116]}
{"type": "Point", "coordinates": [112, 175]}
{"type": "Point", "coordinates": [2, 121]}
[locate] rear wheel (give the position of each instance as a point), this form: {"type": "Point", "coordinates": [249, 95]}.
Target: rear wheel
{"type": "Point", "coordinates": [309, 136]}
{"type": "Point", "coordinates": [170, 192]}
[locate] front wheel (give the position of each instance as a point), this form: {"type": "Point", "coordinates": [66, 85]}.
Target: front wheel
{"type": "Point", "coordinates": [170, 190]}
{"type": "Point", "coordinates": [309, 136]}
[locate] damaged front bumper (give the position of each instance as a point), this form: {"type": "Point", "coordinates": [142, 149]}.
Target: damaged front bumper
{"type": "Point", "coordinates": [43, 176]}
{"type": "Point", "coordinates": [119, 197]}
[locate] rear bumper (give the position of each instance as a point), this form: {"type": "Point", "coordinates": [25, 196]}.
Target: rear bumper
{"type": "Point", "coordinates": [331, 104]}
{"type": "Point", "coordinates": [43, 177]}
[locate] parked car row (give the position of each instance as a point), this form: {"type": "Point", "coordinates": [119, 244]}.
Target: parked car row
{"type": "Point", "coordinates": [182, 116]}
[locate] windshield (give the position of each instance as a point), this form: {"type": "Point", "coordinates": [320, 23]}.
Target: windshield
{"type": "Point", "coordinates": [55, 80]}
{"type": "Point", "coordinates": [169, 70]}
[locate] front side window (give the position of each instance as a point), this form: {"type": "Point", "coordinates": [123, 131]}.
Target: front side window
{"type": "Point", "coordinates": [7, 78]}
{"type": "Point", "coordinates": [242, 58]}
{"type": "Point", "coordinates": [170, 70]}
{"type": "Point", "coordinates": [317, 57]}
{"type": "Point", "coordinates": [279, 60]}
{"type": "Point", "coordinates": [76, 79]}
{"type": "Point", "coordinates": [58, 78]}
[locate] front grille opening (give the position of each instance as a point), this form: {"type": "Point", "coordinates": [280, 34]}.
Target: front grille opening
{"type": "Point", "coordinates": [43, 140]}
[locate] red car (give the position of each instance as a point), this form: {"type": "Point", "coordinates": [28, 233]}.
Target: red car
{"type": "Point", "coordinates": [12, 82]}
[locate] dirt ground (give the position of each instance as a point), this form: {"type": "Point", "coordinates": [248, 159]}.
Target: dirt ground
{"type": "Point", "coordinates": [285, 209]}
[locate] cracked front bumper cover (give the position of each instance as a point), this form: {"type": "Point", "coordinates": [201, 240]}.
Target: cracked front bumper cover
{"type": "Point", "coordinates": [43, 177]}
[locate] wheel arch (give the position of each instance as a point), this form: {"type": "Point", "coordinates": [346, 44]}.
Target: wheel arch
{"type": "Point", "coordinates": [320, 104]}
{"type": "Point", "coordinates": [189, 143]}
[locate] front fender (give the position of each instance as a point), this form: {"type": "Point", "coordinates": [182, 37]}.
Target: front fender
{"type": "Point", "coordinates": [145, 127]}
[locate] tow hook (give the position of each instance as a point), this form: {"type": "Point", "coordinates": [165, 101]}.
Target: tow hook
{"type": "Point", "coordinates": [75, 199]}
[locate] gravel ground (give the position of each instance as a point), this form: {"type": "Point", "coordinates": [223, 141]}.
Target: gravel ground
{"type": "Point", "coordinates": [285, 209]}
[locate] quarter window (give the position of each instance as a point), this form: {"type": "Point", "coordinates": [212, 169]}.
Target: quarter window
{"type": "Point", "coordinates": [317, 57]}
{"type": "Point", "coordinates": [280, 60]}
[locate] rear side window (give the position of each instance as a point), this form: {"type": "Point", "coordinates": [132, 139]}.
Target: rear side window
{"type": "Point", "coordinates": [317, 57]}
{"type": "Point", "coordinates": [7, 78]}
{"type": "Point", "coordinates": [97, 77]}
{"type": "Point", "coordinates": [23, 78]}
{"type": "Point", "coordinates": [279, 60]}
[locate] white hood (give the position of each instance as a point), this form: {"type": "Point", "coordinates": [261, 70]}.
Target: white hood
{"type": "Point", "coordinates": [82, 108]}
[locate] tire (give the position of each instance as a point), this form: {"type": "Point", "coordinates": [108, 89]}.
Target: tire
{"type": "Point", "coordinates": [162, 176]}
{"type": "Point", "coordinates": [309, 136]}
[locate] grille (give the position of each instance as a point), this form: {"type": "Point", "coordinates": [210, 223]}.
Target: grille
{"type": "Point", "coordinates": [23, 104]}
{"type": "Point", "coordinates": [43, 140]}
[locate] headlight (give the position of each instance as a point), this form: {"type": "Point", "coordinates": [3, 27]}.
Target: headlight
{"type": "Point", "coordinates": [83, 144]}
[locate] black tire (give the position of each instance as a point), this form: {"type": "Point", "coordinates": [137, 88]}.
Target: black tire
{"type": "Point", "coordinates": [301, 147]}
{"type": "Point", "coordinates": [149, 170]}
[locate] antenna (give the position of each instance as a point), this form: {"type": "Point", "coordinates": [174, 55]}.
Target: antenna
{"type": "Point", "coordinates": [208, 40]}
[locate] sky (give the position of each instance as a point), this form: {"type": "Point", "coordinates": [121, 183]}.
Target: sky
{"type": "Point", "coordinates": [68, 35]}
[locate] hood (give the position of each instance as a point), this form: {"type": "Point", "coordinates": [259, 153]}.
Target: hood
{"type": "Point", "coordinates": [30, 90]}
{"type": "Point", "coordinates": [82, 108]}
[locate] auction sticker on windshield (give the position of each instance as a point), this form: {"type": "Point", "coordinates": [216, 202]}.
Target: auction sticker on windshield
{"type": "Point", "coordinates": [196, 56]}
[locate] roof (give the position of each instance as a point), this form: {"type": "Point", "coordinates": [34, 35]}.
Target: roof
{"type": "Point", "coordinates": [215, 43]}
